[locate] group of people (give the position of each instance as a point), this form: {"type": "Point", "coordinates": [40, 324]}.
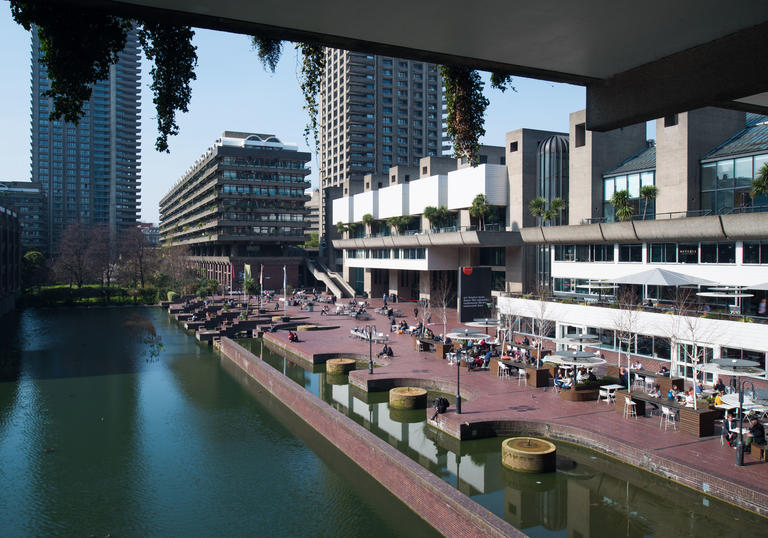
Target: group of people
{"type": "Point", "coordinates": [755, 433]}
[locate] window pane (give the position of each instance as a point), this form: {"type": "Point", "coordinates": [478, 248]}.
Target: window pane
{"type": "Point", "coordinates": [634, 185]}
{"type": "Point", "coordinates": [743, 171]}
{"type": "Point", "coordinates": [608, 189]}
{"type": "Point", "coordinates": [726, 253]}
{"type": "Point", "coordinates": [724, 174]}
{"type": "Point", "coordinates": [646, 178]}
{"type": "Point", "coordinates": [708, 253]}
{"type": "Point", "coordinates": [760, 160]}
{"type": "Point", "coordinates": [751, 252]}
{"type": "Point", "coordinates": [708, 201]}
{"type": "Point", "coordinates": [688, 253]}
{"type": "Point", "coordinates": [708, 176]}
{"type": "Point", "coordinates": [621, 183]}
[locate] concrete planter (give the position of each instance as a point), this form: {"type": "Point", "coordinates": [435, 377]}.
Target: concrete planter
{"type": "Point", "coordinates": [408, 398]}
{"type": "Point", "coordinates": [528, 455]}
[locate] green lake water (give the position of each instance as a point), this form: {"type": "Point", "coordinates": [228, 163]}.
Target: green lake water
{"type": "Point", "coordinates": [99, 437]}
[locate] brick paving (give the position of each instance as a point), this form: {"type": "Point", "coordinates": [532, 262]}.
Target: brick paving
{"type": "Point", "coordinates": [701, 463]}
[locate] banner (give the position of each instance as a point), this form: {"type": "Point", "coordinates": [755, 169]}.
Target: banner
{"type": "Point", "coordinates": [474, 293]}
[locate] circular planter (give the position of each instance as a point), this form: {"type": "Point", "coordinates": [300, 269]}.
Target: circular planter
{"type": "Point", "coordinates": [307, 327]}
{"type": "Point", "coordinates": [408, 398]}
{"type": "Point", "coordinates": [529, 455]}
{"type": "Point", "coordinates": [339, 366]}
{"type": "Point", "coordinates": [406, 416]}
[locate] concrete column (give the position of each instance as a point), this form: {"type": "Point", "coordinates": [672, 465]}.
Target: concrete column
{"type": "Point", "coordinates": [394, 281]}
{"type": "Point", "coordinates": [367, 281]}
{"type": "Point", "coordinates": [425, 284]}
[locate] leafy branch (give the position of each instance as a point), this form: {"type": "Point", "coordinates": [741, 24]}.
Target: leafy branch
{"type": "Point", "coordinates": [466, 107]}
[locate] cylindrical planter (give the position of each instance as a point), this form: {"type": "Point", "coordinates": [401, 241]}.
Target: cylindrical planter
{"type": "Point", "coordinates": [406, 416]}
{"type": "Point", "coordinates": [408, 398]}
{"type": "Point", "coordinates": [339, 366]}
{"type": "Point", "coordinates": [529, 455]}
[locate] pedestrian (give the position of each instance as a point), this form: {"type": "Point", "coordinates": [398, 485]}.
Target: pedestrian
{"type": "Point", "coordinates": [385, 299]}
{"type": "Point", "coordinates": [416, 313]}
{"type": "Point", "coordinates": [761, 308]}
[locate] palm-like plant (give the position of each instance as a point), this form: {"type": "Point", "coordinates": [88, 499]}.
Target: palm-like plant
{"type": "Point", "coordinates": [479, 210]}
{"type": "Point", "coordinates": [760, 183]}
{"type": "Point", "coordinates": [648, 193]}
{"type": "Point", "coordinates": [340, 227]}
{"type": "Point", "coordinates": [430, 213]}
{"type": "Point", "coordinates": [368, 222]}
{"type": "Point", "coordinates": [538, 208]}
{"type": "Point", "coordinates": [622, 205]}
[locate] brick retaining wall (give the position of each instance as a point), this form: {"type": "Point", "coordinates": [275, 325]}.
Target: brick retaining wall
{"type": "Point", "coordinates": [446, 509]}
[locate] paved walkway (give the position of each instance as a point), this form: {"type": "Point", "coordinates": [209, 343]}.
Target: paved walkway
{"type": "Point", "coordinates": [701, 463]}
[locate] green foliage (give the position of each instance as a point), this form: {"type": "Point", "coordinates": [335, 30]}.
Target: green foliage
{"type": "Point", "coordinates": [648, 193]}
{"type": "Point", "coordinates": [78, 46]}
{"type": "Point", "coordinates": [622, 205]}
{"type": "Point", "coordinates": [310, 79]}
{"type": "Point", "coordinates": [173, 296]}
{"type": "Point", "coordinates": [269, 51]}
{"type": "Point", "coordinates": [34, 270]}
{"type": "Point", "coordinates": [175, 58]}
{"type": "Point", "coordinates": [368, 219]}
{"type": "Point", "coordinates": [760, 183]}
{"type": "Point", "coordinates": [538, 208]}
{"type": "Point", "coordinates": [437, 216]}
{"type": "Point", "coordinates": [251, 287]}
{"type": "Point", "coordinates": [466, 107]}
{"type": "Point", "coordinates": [314, 240]}
{"type": "Point", "coordinates": [51, 296]}
{"type": "Point", "coordinates": [480, 209]}
{"type": "Point", "coordinates": [502, 82]}
{"type": "Point", "coordinates": [341, 228]}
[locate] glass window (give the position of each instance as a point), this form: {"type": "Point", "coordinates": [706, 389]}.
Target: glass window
{"type": "Point", "coordinates": [621, 183]}
{"type": "Point", "coordinates": [708, 176]}
{"type": "Point", "coordinates": [724, 174]}
{"type": "Point", "coordinates": [661, 348]}
{"type": "Point", "coordinates": [582, 253]}
{"type": "Point", "coordinates": [709, 253]}
{"type": "Point", "coordinates": [688, 253]}
{"type": "Point", "coordinates": [634, 185]}
{"type": "Point", "coordinates": [751, 252]}
{"type": "Point", "coordinates": [647, 178]}
{"type": "Point", "coordinates": [726, 253]}
{"type": "Point", "coordinates": [743, 171]}
{"type": "Point", "coordinates": [630, 253]}
{"type": "Point", "coordinates": [663, 252]}
{"type": "Point", "coordinates": [608, 188]}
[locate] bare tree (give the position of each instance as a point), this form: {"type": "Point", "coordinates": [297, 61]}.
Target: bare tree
{"type": "Point", "coordinates": [444, 296]}
{"type": "Point", "coordinates": [73, 263]}
{"type": "Point", "coordinates": [425, 313]}
{"type": "Point", "coordinates": [100, 255]}
{"type": "Point", "coordinates": [136, 255]}
{"type": "Point", "coordinates": [543, 323]}
{"type": "Point", "coordinates": [174, 262]}
{"type": "Point", "coordinates": [625, 325]}
{"type": "Point", "coordinates": [686, 327]}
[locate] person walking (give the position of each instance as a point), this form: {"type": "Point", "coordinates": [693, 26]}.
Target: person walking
{"type": "Point", "coordinates": [385, 299]}
{"type": "Point", "coordinates": [416, 313]}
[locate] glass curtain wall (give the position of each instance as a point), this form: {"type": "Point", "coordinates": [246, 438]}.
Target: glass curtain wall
{"type": "Point", "coordinates": [551, 183]}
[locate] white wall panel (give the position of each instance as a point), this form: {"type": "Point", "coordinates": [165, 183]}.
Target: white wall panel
{"type": "Point", "coordinates": [342, 209]}
{"type": "Point", "coordinates": [429, 191]}
{"type": "Point", "coordinates": [393, 201]}
{"type": "Point", "coordinates": [366, 202]}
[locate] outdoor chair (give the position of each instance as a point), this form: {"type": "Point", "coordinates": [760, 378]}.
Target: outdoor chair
{"type": "Point", "coordinates": [604, 395]}
{"type": "Point", "coordinates": [503, 370]}
{"type": "Point", "coordinates": [630, 408]}
{"type": "Point", "coordinates": [522, 376]}
{"type": "Point", "coordinates": [649, 383]}
{"type": "Point", "coordinates": [667, 417]}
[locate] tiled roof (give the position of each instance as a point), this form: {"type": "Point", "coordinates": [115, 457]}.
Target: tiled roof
{"type": "Point", "coordinates": [645, 160]}
{"type": "Point", "coordinates": [752, 139]}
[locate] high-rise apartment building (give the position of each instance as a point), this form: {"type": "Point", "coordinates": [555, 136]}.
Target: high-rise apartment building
{"type": "Point", "coordinates": [31, 205]}
{"type": "Point", "coordinates": [90, 170]}
{"type": "Point", "coordinates": [376, 112]}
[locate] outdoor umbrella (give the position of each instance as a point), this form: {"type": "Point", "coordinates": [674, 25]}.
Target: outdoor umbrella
{"type": "Point", "coordinates": [662, 277]}
{"type": "Point", "coordinates": [576, 359]}
{"type": "Point", "coordinates": [763, 286]}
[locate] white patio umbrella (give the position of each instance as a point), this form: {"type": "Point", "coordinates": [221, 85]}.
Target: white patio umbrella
{"type": "Point", "coordinates": [662, 277]}
{"type": "Point", "coordinates": [576, 359]}
{"type": "Point", "coordinates": [763, 286]}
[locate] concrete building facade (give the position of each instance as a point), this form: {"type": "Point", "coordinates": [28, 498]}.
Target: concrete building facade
{"type": "Point", "coordinates": [241, 203]}
{"type": "Point", "coordinates": [10, 259]}
{"type": "Point", "coordinates": [376, 112]}
{"type": "Point", "coordinates": [90, 171]}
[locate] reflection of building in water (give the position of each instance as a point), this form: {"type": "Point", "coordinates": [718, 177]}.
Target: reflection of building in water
{"type": "Point", "coordinates": [533, 500]}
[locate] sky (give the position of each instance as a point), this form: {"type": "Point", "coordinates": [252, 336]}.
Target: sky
{"type": "Point", "coordinates": [234, 92]}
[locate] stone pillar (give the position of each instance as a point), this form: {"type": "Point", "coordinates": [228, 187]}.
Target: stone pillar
{"type": "Point", "coordinates": [394, 281]}
{"type": "Point", "coordinates": [425, 284]}
{"type": "Point", "coordinates": [367, 281]}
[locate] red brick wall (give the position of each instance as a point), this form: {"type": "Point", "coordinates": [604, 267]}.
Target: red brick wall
{"type": "Point", "coordinates": [446, 509]}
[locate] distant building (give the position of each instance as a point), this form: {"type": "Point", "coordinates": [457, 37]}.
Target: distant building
{"type": "Point", "coordinates": [313, 213]}
{"type": "Point", "coordinates": [10, 259]}
{"type": "Point", "coordinates": [151, 233]}
{"type": "Point", "coordinates": [90, 171]}
{"type": "Point", "coordinates": [241, 203]}
{"type": "Point", "coordinates": [31, 205]}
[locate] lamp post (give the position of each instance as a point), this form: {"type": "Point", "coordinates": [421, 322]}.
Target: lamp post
{"type": "Point", "coordinates": [370, 330]}
{"type": "Point", "coordinates": [458, 385]}
{"type": "Point", "coordinates": [741, 383]}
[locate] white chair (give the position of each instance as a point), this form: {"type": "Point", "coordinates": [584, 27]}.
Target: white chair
{"type": "Point", "coordinates": [630, 408]}
{"type": "Point", "coordinates": [649, 383]}
{"type": "Point", "coordinates": [451, 356]}
{"type": "Point", "coordinates": [667, 418]}
{"type": "Point", "coordinates": [522, 376]}
{"type": "Point", "coordinates": [603, 395]}
{"type": "Point", "coordinates": [638, 381]}
{"type": "Point", "coordinates": [503, 369]}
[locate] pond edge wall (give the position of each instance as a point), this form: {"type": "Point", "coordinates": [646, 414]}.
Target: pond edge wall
{"type": "Point", "coordinates": [446, 509]}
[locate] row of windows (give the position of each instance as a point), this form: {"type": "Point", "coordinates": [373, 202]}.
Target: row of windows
{"type": "Point", "coordinates": [386, 253]}
{"type": "Point", "coordinates": [753, 252]}
{"type": "Point", "coordinates": [264, 191]}
{"type": "Point", "coordinates": [726, 184]}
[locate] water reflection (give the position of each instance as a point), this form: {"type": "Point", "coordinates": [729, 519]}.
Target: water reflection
{"type": "Point", "coordinates": [589, 495]}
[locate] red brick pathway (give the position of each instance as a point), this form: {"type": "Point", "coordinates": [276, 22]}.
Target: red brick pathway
{"type": "Point", "coordinates": [491, 399]}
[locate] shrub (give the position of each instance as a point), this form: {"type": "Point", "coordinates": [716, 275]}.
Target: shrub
{"type": "Point", "coordinates": [173, 296]}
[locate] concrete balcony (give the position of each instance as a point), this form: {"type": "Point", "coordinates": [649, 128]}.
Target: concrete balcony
{"type": "Point", "coordinates": [466, 237]}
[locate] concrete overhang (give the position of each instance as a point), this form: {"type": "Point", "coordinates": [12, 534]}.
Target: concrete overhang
{"type": "Point", "coordinates": [447, 239]}
{"type": "Point", "coordinates": [709, 228]}
{"type": "Point", "coordinates": [638, 61]}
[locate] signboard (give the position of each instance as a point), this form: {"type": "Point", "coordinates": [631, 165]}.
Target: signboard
{"type": "Point", "coordinates": [474, 293]}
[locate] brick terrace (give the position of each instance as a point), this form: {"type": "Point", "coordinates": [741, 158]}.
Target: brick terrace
{"type": "Point", "coordinates": [507, 407]}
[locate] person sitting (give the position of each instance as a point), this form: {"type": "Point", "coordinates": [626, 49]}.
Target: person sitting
{"type": "Point", "coordinates": [526, 342]}
{"type": "Point", "coordinates": [560, 381]}
{"type": "Point", "coordinates": [729, 425]}
{"type": "Point", "coordinates": [719, 398]}
{"type": "Point", "coordinates": [324, 311]}
{"type": "Point", "coordinates": [755, 435]}
{"type": "Point", "coordinates": [690, 398]}
{"type": "Point", "coordinates": [664, 371]}
{"type": "Point", "coordinates": [581, 377]}
{"type": "Point", "coordinates": [623, 377]}
{"type": "Point", "coordinates": [386, 351]}
{"type": "Point", "coordinates": [699, 389]}
{"type": "Point", "coordinates": [272, 328]}
{"type": "Point", "coordinates": [720, 386]}
{"type": "Point", "coordinates": [292, 336]}
{"type": "Point", "coordinates": [486, 359]}
{"type": "Point", "coordinates": [277, 306]}
{"type": "Point", "coordinates": [591, 376]}
{"type": "Point", "coordinates": [636, 366]}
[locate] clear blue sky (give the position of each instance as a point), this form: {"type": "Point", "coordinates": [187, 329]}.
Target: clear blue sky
{"type": "Point", "coordinates": [233, 92]}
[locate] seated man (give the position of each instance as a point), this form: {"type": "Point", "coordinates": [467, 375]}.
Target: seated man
{"type": "Point", "coordinates": [526, 342]}
{"type": "Point", "coordinates": [720, 386]}
{"type": "Point", "coordinates": [592, 377]}
{"type": "Point", "coordinates": [292, 336]}
{"type": "Point", "coordinates": [486, 359]}
{"type": "Point", "coordinates": [664, 371]}
{"type": "Point", "coordinates": [756, 433]}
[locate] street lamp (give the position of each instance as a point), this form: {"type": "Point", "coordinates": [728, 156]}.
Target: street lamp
{"type": "Point", "coordinates": [741, 383]}
{"type": "Point", "coordinates": [370, 329]}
